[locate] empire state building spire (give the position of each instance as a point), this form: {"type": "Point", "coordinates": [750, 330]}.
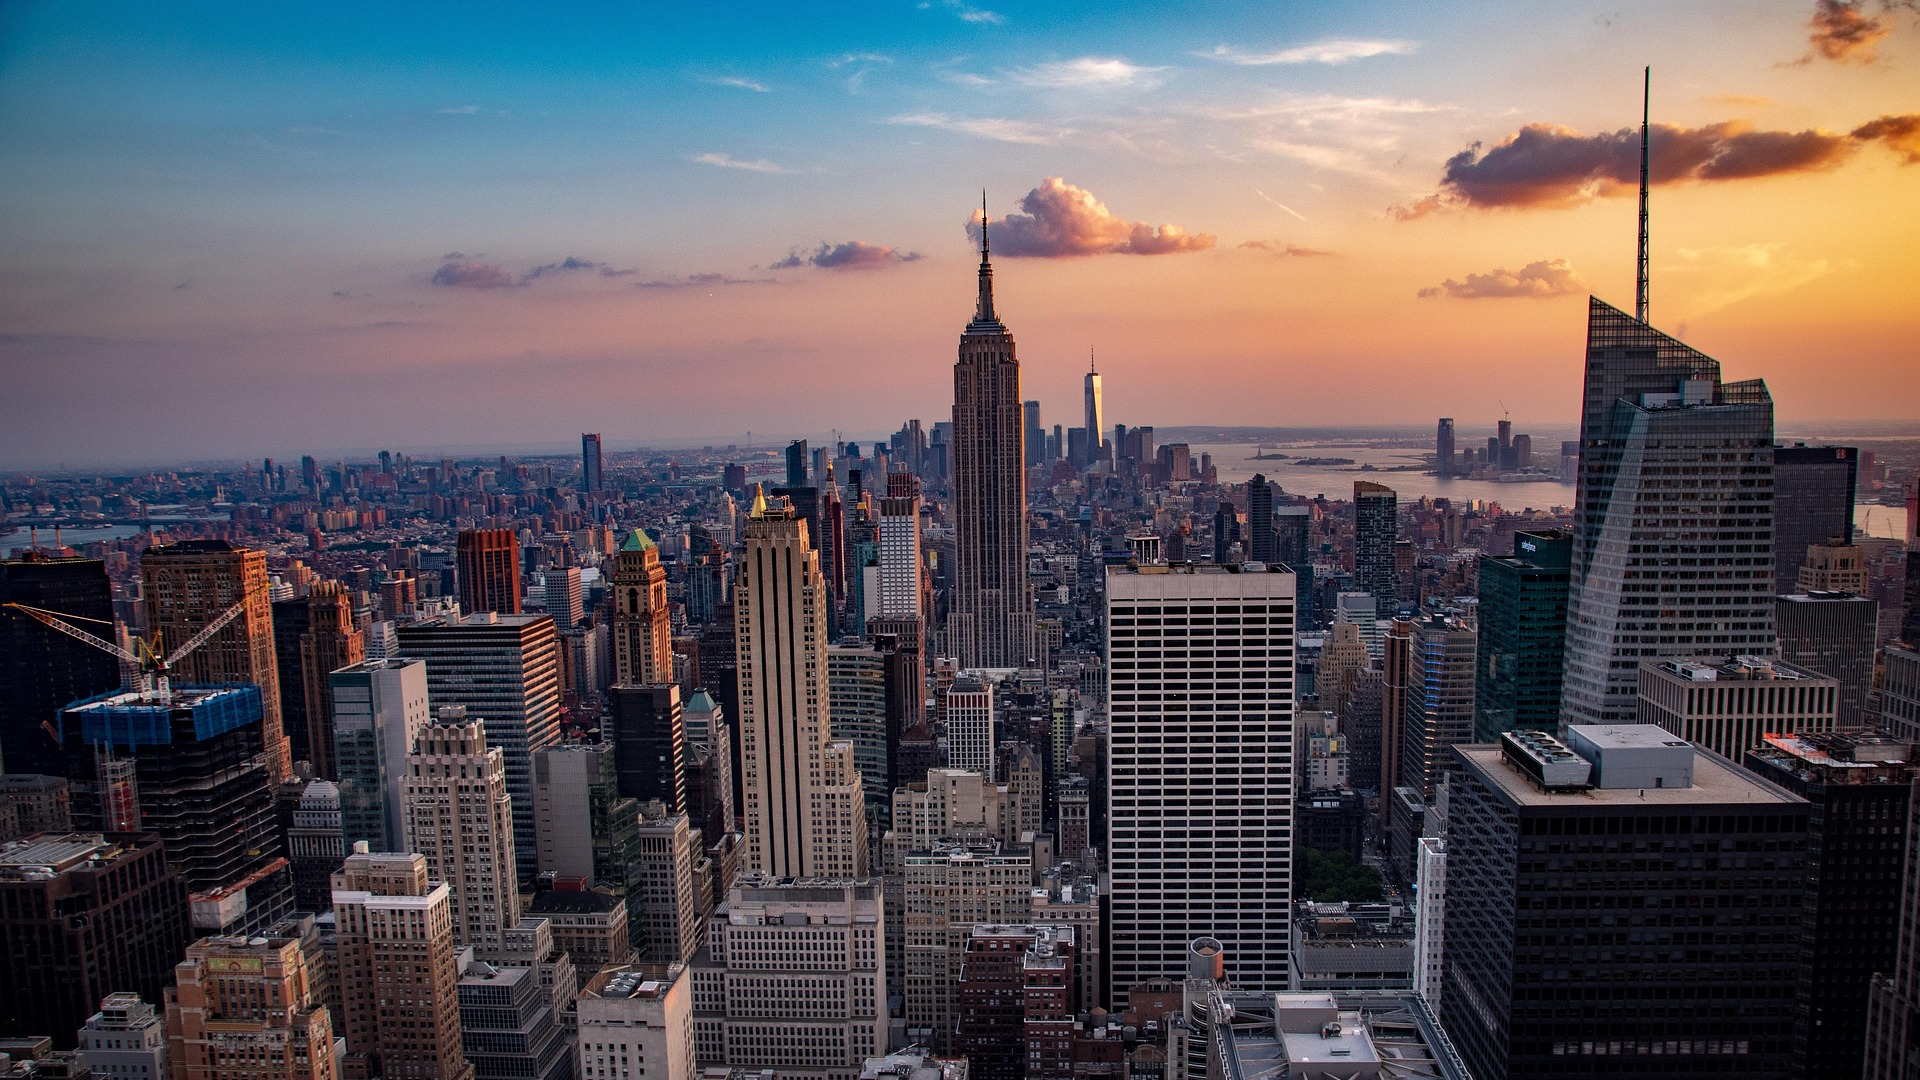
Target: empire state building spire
{"type": "Point", "coordinates": [983, 310]}
{"type": "Point", "coordinates": [992, 619]}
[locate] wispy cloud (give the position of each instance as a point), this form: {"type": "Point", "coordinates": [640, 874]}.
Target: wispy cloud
{"type": "Point", "coordinates": [568, 265]}
{"type": "Point", "coordinates": [728, 161]}
{"type": "Point", "coordinates": [1064, 221]}
{"type": "Point", "coordinates": [999, 129]}
{"type": "Point", "coordinates": [736, 82]}
{"type": "Point", "coordinates": [1337, 51]}
{"type": "Point", "coordinates": [859, 65]}
{"type": "Point", "coordinates": [966, 11]}
{"type": "Point", "coordinates": [1534, 281]}
{"type": "Point", "coordinates": [472, 275]}
{"type": "Point", "coordinates": [1282, 248]}
{"type": "Point", "coordinates": [852, 255]}
{"type": "Point", "coordinates": [1088, 73]}
{"type": "Point", "coordinates": [1842, 31]}
{"type": "Point", "coordinates": [698, 280]}
{"type": "Point", "coordinates": [1741, 273]}
{"type": "Point", "coordinates": [1279, 204]}
{"type": "Point", "coordinates": [459, 110]}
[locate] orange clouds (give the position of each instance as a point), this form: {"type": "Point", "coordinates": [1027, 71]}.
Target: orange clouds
{"type": "Point", "coordinates": [1545, 165]}
{"type": "Point", "coordinates": [1064, 221]}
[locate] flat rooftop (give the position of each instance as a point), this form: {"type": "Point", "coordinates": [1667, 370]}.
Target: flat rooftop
{"type": "Point", "coordinates": [57, 852]}
{"type": "Point", "coordinates": [1716, 782]}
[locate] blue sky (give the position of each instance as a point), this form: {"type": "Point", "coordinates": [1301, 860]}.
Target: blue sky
{"type": "Point", "coordinates": [255, 208]}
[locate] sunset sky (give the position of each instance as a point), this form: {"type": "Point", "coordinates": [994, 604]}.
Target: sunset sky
{"type": "Point", "coordinates": [243, 230]}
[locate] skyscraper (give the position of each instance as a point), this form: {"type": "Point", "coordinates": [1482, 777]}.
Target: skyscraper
{"type": "Point", "coordinates": [803, 799]}
{"type": "Point", "coordinates": [563, 597]}
{"type": "Point", "coordinates": [1262, 544]}
{"type": "Point", "coordinates": [1862, 787]}
{"type": "Point", "coordinates": [648, 732]}
{"type": "Point", "coordinates": [1438, 711]}
{"type": "Point", "coordinates": [1673, 546]}
{"type": "Point", "coordinates": [1036, 449]}
{"type": "Point", "coordinates": [1375, 526]}
{"type": "Point", "coordinates": [43, 670]}
{"type": "Point", "coordinates": [184, 587]}
{"type": "Point", "coordinates": [1523, 635]}
{"type": "Point", "coordinates": [459, 816]}
{"type": "Point", "coordinates": [1096, 419]}
{"type": "Point", "coordinates": [1813, 491]}
{"type": "Point", "coordinates": [1554, 964]}
{"type": "Point", "coordinates": [1200, 768]}
{"type": "Point", "coordinates": [488, 563]}
{"type": "Point", "coordinates": [330, 643]}
{"type": "Point", "coordinates": [992, 624]}
{"type": "Point", "coordinates": [757, 997]}
{"type": "Point", "coordinates": [87, 914]}
{"type": "Point", "coordinates": [900, 578]}
{"type": "Point", "coordinates": [642, 622]}
{"type": "Point", "coordinates": [506, 670]}
{"type": "Point", "coordinates": [399, 987]}
{"type": "Point", "coordinates": [1833, 634]}
{"type": "Point", "coordinates": [590, 476]}
{"type": "Point", "coordinates": [797, 463]}
{"type": "Point", "coordinates": [1443, 448]}
{"type": "Point", "coordinates": [248, 1007]}
{"type": "Point", "coordinates": [379, 709]}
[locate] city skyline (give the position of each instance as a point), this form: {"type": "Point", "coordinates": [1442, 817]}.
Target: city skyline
{"type": "Point", "coordinates": [254, 229]}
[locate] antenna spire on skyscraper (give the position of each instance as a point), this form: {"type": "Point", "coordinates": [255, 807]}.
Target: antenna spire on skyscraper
{"type": "Point", "coordinates": [983, 310]}
{"type": "Point", "coordinates": [1640, 279]}
{"type": "Point", "coordinates": [1091, 370]}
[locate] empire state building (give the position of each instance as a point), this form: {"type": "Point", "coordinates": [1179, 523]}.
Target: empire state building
{"type": "Point", "coordinates": [992, 624]}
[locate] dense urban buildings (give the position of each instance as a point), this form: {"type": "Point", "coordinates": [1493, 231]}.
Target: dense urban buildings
{"type": "Point", "coordinates": [186, 586]}
{"type": "Point", "coordinates": [505, 671]}
{"type": "Point", "coordinates": [1033, 724]}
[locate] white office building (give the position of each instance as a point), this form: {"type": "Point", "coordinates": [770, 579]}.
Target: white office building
{"type": "Point", "coordinates": [1200, 694]}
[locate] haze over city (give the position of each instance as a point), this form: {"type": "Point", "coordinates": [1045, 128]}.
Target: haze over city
{"type": "Point", "coordinates": [234, 232]}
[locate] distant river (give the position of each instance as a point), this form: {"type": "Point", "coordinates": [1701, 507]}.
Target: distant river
{"type": "Point", "coordinates": [1234, 464]}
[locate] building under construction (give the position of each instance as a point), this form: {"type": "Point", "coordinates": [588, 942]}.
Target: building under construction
{"type": "Point", "coordinates": [186, 764]}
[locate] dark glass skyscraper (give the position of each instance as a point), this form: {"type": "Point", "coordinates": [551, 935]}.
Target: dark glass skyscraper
{"type": "Point", "coordinates": [1443, 448]}
{"type": "Point", "coordinates": [1861, 788]}
{"type": "Point", "coordinates": [1632, 909]}
{"type": "Point", "coordinates": [1523, 635]}
{"type": "Point", "coordinates": [43, 670]}
{"type": "Point", "coordinates": [1813, 490]}
{"type": "Point", "coordinates": [992, 624]}
{"type": "Point", "coordinates": [1260, 537]}
{"type": "Point", "coordinates": [590, 479]}
{"type": "Point", "coordinates": [1375, 525]}
{"type": "Point", "coordinates": [1673, 548]}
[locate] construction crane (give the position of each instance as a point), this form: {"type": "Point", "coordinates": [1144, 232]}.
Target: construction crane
{"type": "Point", "coordinates": [153, 668]}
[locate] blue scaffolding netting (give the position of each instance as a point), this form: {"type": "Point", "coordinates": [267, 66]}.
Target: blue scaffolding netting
{"type": "Point", "coordinates": [215, 711]}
